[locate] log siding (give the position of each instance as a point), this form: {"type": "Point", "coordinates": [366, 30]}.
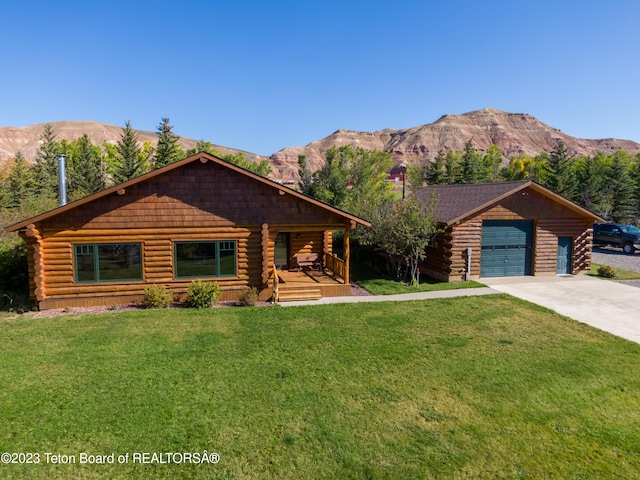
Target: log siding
{"type": "Point", "coordinates": [201, 198]}
{"type": "Point", "coordinates": [551, 219]}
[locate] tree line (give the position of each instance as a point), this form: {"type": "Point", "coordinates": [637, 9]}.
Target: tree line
{"type": "Point", "coordinates": [30, 188]}
{"type": "Point", "coordinates": [607, 185]}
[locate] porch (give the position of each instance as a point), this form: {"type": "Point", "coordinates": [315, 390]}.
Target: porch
{"type": "Point", "coordinates": [311, 283]}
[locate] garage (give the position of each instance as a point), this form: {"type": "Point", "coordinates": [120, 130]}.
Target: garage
{"type": "Point", "coordinates": [506, 248]}
{"type": "Point", "coordinates": [505, 229]}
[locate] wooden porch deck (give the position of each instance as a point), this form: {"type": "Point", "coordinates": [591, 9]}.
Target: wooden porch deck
{"type": "Point", "coordinates": [310, 284]}
{"type": "Point", "coordinates": [309, 276]}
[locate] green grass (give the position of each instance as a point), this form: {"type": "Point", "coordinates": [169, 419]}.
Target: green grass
{"type": "Point", "coordinates": [483, 387]}
{"type": "Point", "coordinates": [621, 273]}
{"type": "Point", "coordinates": [379, 284]}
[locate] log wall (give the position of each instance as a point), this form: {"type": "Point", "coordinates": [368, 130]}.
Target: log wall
{"type": "Point", "coordinates": [550, 221]}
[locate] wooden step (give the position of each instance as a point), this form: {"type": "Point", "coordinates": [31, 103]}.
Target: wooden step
{"type": "Point", "coordinates": [296, 293]}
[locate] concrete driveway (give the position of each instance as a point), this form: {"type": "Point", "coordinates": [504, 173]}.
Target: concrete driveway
{"type": "Point", "coordinates": [607, 305]}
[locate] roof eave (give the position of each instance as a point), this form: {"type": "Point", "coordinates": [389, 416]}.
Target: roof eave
{"type": "Point", "coordinates": [534, 186]}
{"type": "Point", "coordinates": [203, 157]}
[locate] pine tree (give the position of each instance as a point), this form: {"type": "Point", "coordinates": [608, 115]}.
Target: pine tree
{"type": "Point", "coordinates": [86, 169]}
{"type": "Point", "coordinates": [471, 170]}
{"type": "Point", "coordinates": [128, 156]}
{"type": "Point", "coordinates": [591, 173]}
{"type": "Point", "coordinates": [168, 149]}
{"type": "Point", "coordinates": [21, 182]}
{"type": "Point", "coordinates": [558, 168]}
{"type": "Point", "coordinates": [436, 173]}
{"type": "Point", "coordinates": [452, 166]}
{"type": "Point", "coordinates": [621, 191]}
{"type": "Point", "coordinates": [46, 166]}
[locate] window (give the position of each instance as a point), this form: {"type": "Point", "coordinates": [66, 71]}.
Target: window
{"type": "Point", "coordinates": [434, 241]}
{"type": "Point", "coordinates": [205, 259]}
{"type": "Point", "coordinates": [108, 262]}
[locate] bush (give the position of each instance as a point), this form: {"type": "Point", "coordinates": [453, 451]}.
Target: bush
{"type": "Point", "coordinates": [156, 296]}
{"type": "Point", "coordinates": [607, 271]}
{"type": "Point", "coordinates": [249, 298]}
{"type": "Point", "coordinates": [203, 294]}
{"type": "Point", "coordinates": [14, 277]}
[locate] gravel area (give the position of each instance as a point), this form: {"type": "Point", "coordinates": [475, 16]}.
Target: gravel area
{"type": "Point", "coordinates": [616, 258]}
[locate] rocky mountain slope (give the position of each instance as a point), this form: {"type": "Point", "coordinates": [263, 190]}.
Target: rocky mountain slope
{"type": "Point", "coordinates": [513, 133]}
{"type": "Point", "coordinates": [27, 139]}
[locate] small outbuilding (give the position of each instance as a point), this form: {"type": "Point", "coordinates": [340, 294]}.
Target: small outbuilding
{"type": "Point", "coordinates": [201, 217]}
{"type": "Point", "coordinates": [506, 229]}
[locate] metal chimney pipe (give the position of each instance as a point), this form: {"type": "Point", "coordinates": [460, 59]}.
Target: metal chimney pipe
{"type": "Point", "coordinates": [62, 178]}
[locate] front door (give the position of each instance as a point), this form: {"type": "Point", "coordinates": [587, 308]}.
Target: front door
{"type": "Point", "coordinates": [281, 251]}
{"type": "Point", "coordinates": [564, 255]}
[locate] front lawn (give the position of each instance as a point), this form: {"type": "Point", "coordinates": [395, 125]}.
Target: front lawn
{"type": "Point", "coordinates": [483, 387]}
{"type": "Point", "coordinates": [380, 284]}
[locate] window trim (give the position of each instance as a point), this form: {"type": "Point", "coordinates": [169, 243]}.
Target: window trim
{"type": "Point", "coordinates": [217, 248]}
{"type": "Point", "coordinates": [96, 263]}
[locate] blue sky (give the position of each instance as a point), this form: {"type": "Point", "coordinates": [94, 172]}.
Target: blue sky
{"type": "Point", "coordinates": [264, 75]}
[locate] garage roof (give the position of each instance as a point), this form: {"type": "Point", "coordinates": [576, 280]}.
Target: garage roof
{"type": "Point", "coordinates": [458, 202]}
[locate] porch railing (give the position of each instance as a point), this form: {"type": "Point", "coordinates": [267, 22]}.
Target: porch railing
{"type": "Point", "coordinates": [275, 283]}
{"type": "Point", "coordinates": [335, 264]}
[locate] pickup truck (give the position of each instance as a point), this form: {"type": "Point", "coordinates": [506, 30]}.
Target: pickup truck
{"type": "Point", "coordinates": [626, 237]}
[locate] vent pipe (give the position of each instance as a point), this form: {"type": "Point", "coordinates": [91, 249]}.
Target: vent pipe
{"type": "Point", "coordinates": [62, 178]}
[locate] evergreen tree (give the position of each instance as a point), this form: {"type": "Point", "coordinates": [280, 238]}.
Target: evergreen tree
{"type": "Point", "coordinates": [21, 183]}
{"type": "Point", "coordinates": [471, 170]}
{"type": "Point", "coordinates": [46, 166]}
{"type": "Point", "coordinates": [452, 166]}
{"type": "Point", "coordinates": [620, 189]}
{"type": "Point", "coordinates": [129, 157]}
{"type": "Point", "coordinates": [168, 149]}
{"type": "Point", "coordinates": [590, 174]}
{"type": "Point", "coordinates": [86, 169]}
{"type": "Point", "coordinates": [558, 169]}
{"type": "Point", "coordinates": [437, 170]}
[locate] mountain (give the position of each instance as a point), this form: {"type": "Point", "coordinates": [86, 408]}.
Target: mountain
{"type": "Point", "coordinates": [27, 139]}
{"type": "Point", "coordinates": [513, 133]}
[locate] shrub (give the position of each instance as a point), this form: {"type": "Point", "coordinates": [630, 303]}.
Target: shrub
{"type": "Point", "coordinates": [203, 294]}
{"type": "Point", "coordinates": [249, 298]}
{"type": "Point", "coordinates": [606, 271]}
{"type": "Point", "coordinates": [14, 277]}
{"type": "Point", "coordinates": [156, 296]}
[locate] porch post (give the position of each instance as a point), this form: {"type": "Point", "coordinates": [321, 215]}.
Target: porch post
{"type": "Point", "coordinates": [347, 254]}
{"type": "Point", "coordinates": [265, 253]}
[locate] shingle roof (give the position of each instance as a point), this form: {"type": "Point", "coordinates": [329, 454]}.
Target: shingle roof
{"type": "Point", "coordinates": [457, 202]}
{"type": "Point", "coordinates": [202, 157]}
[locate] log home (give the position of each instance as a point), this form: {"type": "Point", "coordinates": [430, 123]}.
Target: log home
{"type": "Point", "coordinates": [201, 217]}
{"type": "Point", "coordinates": [506, 229]}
